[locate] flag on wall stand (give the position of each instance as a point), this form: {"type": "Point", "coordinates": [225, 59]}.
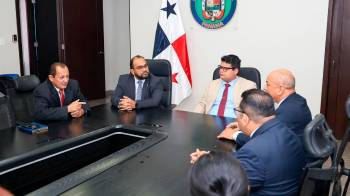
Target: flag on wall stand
{"type": "Point", "coordinates": [170, 44]}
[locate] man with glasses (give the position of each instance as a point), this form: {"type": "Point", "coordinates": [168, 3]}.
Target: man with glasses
{"type": "Point", "coordinates": [139, 89]}
{"type": "Point", "coordinates": [273, 158]}
{"type": "Point", "coordinates": [291, 108]}
{"type": "Point", "coordinates": [224, 94]}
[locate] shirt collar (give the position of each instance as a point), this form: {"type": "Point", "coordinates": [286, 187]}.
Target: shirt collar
{"type": "Point", "coordinates": [279, 103]}
{"type": "Point", "coordinates": [58, 90]}
{"type": "Point", "coordinates": [136, 80]}
{"type": "Point", "coordinates": [251, 135]}
{"type": "Point", "coordinates": [231, 82]}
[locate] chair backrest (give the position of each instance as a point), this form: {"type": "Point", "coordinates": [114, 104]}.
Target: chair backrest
{"type": "Point", "coordinates": [320, 143]}
{"type": "Point", "coordinates": [21, 97]}
{"type": "Point", "coordinates": [7, 83]}
{"type": "Point", "coordinates": [162, 69]}
{"type": "Point", "coordinates": [249, 73]}
{"type": "Point", "coordinates": [6, 113]}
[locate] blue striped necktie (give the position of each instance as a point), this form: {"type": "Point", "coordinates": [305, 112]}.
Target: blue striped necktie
{"type": "Point", "coordinates": [139, 90]}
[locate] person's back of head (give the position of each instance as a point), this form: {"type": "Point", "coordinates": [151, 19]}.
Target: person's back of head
{"type": "Point", "coordinates": [257, 104]}
{"type": "Point", "coordinates": [218, 174]}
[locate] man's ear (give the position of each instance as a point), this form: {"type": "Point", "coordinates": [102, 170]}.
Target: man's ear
{"type": "Point", "coordinates": [132, 71]}
{"type": "Point", "coordinates": [51, 77]}
{"type": "Point", "coordinates": [245, 118]}
{"type": "Point", "coordinates": [236, 71]}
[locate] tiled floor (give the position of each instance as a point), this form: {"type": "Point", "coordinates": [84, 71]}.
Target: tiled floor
{"type": "Point", "coordinates": [346, 155]}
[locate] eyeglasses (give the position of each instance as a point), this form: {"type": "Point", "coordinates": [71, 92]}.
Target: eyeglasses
{"type": "Point", "coordinates": [238, 111]}
{"type": "Point", "coordinates": [141, 67]}
{"type": "Point", "coordinates": [225, 68]}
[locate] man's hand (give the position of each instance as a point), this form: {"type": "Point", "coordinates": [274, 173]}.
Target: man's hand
{"type": "Point", "coordinates": [229, 131]}
{"type": "Point", "coordinates": [126, 103]}
{"type": "Point", "coordinates": [78, 113]}
{"type": "Point", "coordinates": [198, 153]}
{"type": "Point", "coordinates": [75, 106]}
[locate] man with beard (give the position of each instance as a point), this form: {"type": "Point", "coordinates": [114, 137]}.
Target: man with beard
{"type": "Point", "coordinates": [59, 98]}
{"type": "Point", "coordinates": [139, 89]}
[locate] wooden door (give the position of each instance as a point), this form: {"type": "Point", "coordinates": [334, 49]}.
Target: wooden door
{"type": "Point", "coordinates": [42, 31]}
{"type": "Point", "coordinates": [336, 81]}
{"type": "Point", "coordinates": [82, 48]}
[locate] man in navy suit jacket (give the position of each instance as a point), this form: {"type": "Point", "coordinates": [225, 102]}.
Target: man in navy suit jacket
{"type": "Point", "coordinates": [59, 97]}
{"type": "Point", "coordinates": [125, 94]}
{"type": "Point", "coordinates": [273, 158]}
{"type": "Point", "coordinates": [292, 109]}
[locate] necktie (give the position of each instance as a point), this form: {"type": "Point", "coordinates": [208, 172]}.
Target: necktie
{"type": "Point", "coordinates": [221, 110]}
{"type": "Point", "coordinates": [61, 97]}
{"type": "Point", "coordinates": [139, 90]}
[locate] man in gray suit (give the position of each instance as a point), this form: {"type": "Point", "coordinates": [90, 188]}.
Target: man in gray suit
{"type": "Point", "coordinates": [138, 89]}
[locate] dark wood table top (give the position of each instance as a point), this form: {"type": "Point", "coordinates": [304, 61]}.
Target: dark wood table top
{"type": "Point", "coordinates": [161, 169]}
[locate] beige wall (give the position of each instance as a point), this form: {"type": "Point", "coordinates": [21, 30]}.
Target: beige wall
{"type": "Point", "coordinates": [9, 54]}
{"type": "Point", "coordinates": [264, 34]}
{"type": "Point", "coordinates": [116, 40]}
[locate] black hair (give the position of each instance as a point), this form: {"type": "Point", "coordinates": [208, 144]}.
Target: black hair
{"type": "Point", "coordinates": [133, 58]}
{"type": "Point", "coordinates": [233, 60]}
{"type": "Point", "coordinates": [257, 104]}
{"type": "Point", "coordinates": [218, 174]}
{"type": "Point", "coordinates": [54, 66]}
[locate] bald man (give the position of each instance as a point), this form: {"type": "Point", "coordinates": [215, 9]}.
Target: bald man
{"type": "Point", "coordinates": [291, 109]}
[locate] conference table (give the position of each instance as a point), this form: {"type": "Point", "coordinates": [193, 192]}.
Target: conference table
{"type": "Point", "coordinates": [109, 152]}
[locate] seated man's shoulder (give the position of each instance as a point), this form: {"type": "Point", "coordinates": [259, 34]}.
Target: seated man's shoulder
{"type": "Point", "coordinates": [124, 78]}
{"type": "Point", "coordinates": [299, 98]}
{"type": "Point", "coordinates": [41, 87]}
{"type": "Point", "coordinates": [246, 82]}
{"type": "Point", "coordinates": [154, 79]}
{"type": "Point", "coordinates": [73, 82]}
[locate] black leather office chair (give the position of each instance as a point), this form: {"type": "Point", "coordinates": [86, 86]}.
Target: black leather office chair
{"type": "Point", "coordinates": [21, 97]}
{"type": "Point", "coordinates": [249, 73]}
{"type": "Point", "coordinates": [6, 113]}
{"type": "Point", "coordinates": [321, 144]}
{"type": "Point", "coordinates": [162, 68]}
{"type": "Point", "coordinates": [6, 83]}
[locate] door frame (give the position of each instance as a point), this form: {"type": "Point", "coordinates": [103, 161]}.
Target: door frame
{"type": "Point", "coordinates": [332, 57]}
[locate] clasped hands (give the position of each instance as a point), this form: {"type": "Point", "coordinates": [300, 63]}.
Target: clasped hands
{"type": "Point", "coordinates": [125, 103]}
{"type": "Point", "coordinates": [76, 108]}
{"type": "Point", "coordinates": [225, 134]}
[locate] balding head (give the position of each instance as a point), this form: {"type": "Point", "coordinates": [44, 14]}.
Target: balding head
{"type": "Point", "coordinates": [284, 78]}
{"type": "Point", "coordinates": [280, 83]}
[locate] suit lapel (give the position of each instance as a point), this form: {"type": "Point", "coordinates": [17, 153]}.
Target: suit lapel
{"type": "Point", "coordinates": [265, 127]}
{"type": "Point", "coordinates": [68, 95]}
{"type": "Point", "coordinates": [144, 94]}
{"type": "Point", "coordinates": [132, 86]}
{"type": "Point", "coordinates": [53, 93]}
{"type": "Point", "coordinates": [236, 95]}
{"type": "Point", "coordinates": [214, 91]}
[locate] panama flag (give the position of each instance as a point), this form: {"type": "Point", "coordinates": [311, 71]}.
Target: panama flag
{"type": "Point", "coordinates": [170, 44]}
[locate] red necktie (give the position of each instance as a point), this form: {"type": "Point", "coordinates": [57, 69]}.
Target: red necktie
{"type": "Point", "coordinates": [61, 97]}
{"type": "Point", "coordinates": [221, 110]}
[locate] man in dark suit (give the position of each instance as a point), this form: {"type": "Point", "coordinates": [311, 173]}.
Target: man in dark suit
{"type": "Point", "coordinates": [273, 158]}
{"type": "Point", "coordinates": [139, 89]}
{"type": "Point", "coordinates": [292, 109]}
{"type": "Point", "coordinates": [59, 97]}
